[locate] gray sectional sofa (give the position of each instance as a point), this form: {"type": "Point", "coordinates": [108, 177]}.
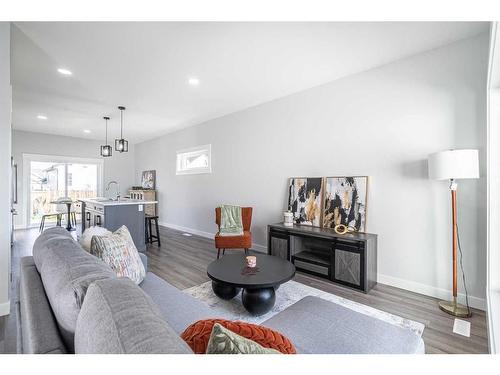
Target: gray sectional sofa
{"type": "Point", "coordinates": [71, 302]}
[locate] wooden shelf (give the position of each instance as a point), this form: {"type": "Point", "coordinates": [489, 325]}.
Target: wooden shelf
{"type": "Point", "coordinates": [314, 258]}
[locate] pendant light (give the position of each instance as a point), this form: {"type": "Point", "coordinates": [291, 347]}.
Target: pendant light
{"type": "Point", "coordinates": [106, 150]}
{"type": "Point", "coordinates": [121, 145]}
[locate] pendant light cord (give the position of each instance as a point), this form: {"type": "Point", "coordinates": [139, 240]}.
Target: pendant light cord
{"type": "Point", "coordinates": [106, 131]}
{"type": "Point", "coordinates": [121, 123]}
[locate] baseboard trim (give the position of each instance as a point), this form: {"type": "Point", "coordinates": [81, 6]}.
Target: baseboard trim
{"type": "Point", "coordinates": [5, 308]}
{"type": "Point", "coordinates": [428, 290]}
{"type": "Point", "coordinates": [256, 247]}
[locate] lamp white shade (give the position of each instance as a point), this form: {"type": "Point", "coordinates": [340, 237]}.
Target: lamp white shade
{"type": "Point", "coordinates": [454, 164]}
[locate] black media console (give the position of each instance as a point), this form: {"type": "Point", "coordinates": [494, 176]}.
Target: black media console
{"type": "Point", "coordinates": [347, 259]}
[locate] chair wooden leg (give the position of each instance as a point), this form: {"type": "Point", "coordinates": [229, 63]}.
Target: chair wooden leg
{"type": "Point", "coordinates": [246, 251]}
{"type": "Point", "coordinates": [218, 253]}
{"type": "Point", "coordinates": [223, 251]}
{"type": "Point", "coordinates": [41, 224]}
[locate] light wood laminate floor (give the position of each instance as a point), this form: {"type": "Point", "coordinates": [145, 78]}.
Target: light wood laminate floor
{"type": "Point", "coordinates": [182, 261]}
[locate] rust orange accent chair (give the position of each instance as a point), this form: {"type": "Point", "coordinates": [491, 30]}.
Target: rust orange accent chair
{"type": "Point", "coordinates": [235, 242]}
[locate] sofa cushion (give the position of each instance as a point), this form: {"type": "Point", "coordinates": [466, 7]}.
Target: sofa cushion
{"type": "Point", "coordinates": [66, 271]}
{"type": "Point", "coordinates": [321, 327]}
{"type": "Point", "coordinates": [225, 341]}
{"type": "Point", "coordinates": [117, 317]}
{"type": "Point", "coordinates": [179, 309]}
{"type": "Point", "coordinates": [197, 335]}
{"type": "Point", "coordinates": [119, 252]}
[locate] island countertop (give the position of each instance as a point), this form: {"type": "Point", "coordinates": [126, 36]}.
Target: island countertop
{"type": "Point", "coordinates": [110, 202]}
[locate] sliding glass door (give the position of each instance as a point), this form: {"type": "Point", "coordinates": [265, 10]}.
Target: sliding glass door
{"type": "Point", "coordinates": [51, 178]}
{"type": "Point", "coordinates": [47, 183]}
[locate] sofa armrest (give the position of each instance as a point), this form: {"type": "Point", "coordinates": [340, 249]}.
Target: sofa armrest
{"type": "Point", "coordinates": [39, 332]}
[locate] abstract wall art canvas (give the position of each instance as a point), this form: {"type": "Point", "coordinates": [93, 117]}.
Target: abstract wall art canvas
{"type": "Point", "coordinates": [148, 180]}
{"type": "Point", "coordinates": [304, 200]}
{"type": "Point", "coordinates": [345, 202]}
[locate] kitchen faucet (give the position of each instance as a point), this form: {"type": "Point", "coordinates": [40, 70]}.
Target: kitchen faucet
{"type": "Point", "coordinates": [117, 197]}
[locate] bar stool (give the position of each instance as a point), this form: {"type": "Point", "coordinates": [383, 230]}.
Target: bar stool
{"type": "Point", "coordinates": [150, 238]}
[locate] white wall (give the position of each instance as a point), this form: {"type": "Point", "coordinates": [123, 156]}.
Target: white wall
{"type": "Point", "coordinates": [382, 123]}
{"type": "Point", "coordinates": [119, 167]}
{"type": "Point", "coordinates": [5, 144]}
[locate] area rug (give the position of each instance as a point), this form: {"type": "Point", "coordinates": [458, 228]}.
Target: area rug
{"type": "Point", "coordinates": [286, 295]}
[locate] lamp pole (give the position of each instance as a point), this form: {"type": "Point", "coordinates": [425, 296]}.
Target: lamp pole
{"type": "Point", "coordinates": [453, 307]}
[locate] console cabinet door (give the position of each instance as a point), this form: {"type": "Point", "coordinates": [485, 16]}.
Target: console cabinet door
{"type": "Point", "coordinates": [279, 245]}
{"type": "Point", "coordinates": [349, 263]}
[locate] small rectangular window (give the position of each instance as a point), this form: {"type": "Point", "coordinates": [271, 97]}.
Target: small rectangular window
{"type": "Point", "coordinates": [194, 160]}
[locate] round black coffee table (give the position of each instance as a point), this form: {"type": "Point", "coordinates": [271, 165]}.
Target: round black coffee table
{"type": "Point", "coordinates": [230, 274]}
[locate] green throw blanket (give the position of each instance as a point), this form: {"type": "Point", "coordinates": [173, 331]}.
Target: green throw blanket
{"type": "Point", "coordinates": [230, 221]}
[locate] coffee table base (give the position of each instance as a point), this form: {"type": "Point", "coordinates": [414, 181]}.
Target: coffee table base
{"type": "Point", "coordinates": [258, 301]}
{"type": "Point", "coordinates": [255, 301]}
{"type": "Point", "coordinates": [224, 291]}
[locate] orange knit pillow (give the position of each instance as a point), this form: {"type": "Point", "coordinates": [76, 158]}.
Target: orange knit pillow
{"type": "Point", "coordinates": [198, 334]}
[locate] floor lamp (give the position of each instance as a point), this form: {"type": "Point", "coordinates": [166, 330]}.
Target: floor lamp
{"type": "Point", "coordinates": [454, 165]}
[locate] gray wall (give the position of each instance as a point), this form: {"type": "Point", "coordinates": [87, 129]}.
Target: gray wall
{"type": "Point", "coordinates": [119, 167]}
{"type": "Point", "coordinates": [5, 118]}
{"type": "Point", "coordinates": [382, 123]}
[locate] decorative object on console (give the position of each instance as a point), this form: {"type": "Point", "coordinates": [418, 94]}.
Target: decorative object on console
{"type": "Point", "coordinates": [288, 218]}
{"type": "Point", "coordinates": [148, 181]}
{"type": "Point", "coordinates": [452, 165]}
{"type": "Point", "coordinates": [106, 150]}
{"type": "Point", "coordinates": [345, 202]}
{"type": "Point", "coordinates": [119, 252]}
{"type": "Point", "coordinates": [343, 229]}
{"type": "Point", "coordinates": [197, 335]}
{"type": "Point", "coordinates": [304, 199]}
{"type": "Point", "coordinates": [121, 145]}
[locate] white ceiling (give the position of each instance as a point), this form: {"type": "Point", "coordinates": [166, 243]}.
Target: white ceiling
{"type": "Point", "coordinates": [145, 67]}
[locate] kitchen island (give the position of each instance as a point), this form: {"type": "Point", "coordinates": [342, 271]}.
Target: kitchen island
{"type": "Point", "coordinates": [112, 214]}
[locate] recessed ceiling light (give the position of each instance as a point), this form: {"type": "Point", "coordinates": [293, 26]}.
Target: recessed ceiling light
{"type": "Point", "coordinates": [41, 117]}
{"type": "Point", "coordinates": [193, 81]}
{"type": "Point", "coordinates": [65, 72]}
{"type": "Point", "coordinates": [87, 131]}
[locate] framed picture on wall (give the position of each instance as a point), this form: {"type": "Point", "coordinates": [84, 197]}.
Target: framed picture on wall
{"type": "Point", "coordinates": [345, 202]}
{"type": "Point", "coordinates": [148, 181]}
{"type": "Point", "coordinates": [304, 200]}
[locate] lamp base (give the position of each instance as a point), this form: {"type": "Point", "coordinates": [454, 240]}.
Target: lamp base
{"type": "Point", "coordinates": [455, 309]}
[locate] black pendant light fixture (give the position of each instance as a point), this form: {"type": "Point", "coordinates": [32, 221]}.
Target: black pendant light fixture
{"type": "Point", "coordinates": [106, 150]}
{"type": "Point", "coordinates": [121, 145]}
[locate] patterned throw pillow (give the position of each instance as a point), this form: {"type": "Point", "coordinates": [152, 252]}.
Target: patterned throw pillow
{"type": "Point", "coordinates": [224, 341]}
{"type": "Point", "coordinates": [119, 252]}
{"type": "Point", "coordinates": [198, 334]}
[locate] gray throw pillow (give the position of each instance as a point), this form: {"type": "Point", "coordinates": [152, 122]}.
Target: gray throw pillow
{"type": "Point", "coordinates": [118, 317]}
{"type": "Point", "coordinates": [224, 341]}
